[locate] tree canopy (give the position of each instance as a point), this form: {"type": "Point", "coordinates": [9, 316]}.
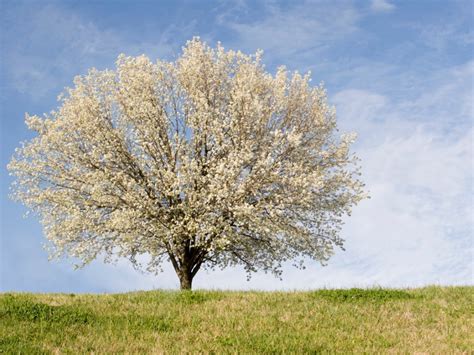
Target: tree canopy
{"type": "Point", "coordinates": [205, 161]}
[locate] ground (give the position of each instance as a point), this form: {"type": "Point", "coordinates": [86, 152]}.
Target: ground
{"type": "Point", "coordinates": [427, 320]}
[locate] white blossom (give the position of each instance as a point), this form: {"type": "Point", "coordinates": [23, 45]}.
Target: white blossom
{"type": "Point", "coordinates": [205, 161]}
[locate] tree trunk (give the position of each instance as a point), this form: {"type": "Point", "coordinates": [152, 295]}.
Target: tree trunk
{"type": "Point", "coordinates": [187, 264]}
{"type": "Point", "coordinates": [185, 280]}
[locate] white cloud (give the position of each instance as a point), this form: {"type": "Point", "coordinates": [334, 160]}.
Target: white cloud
{"type": "Point", "coordinates": [382, 6]}
{"type": "Point", "coordinates": [447, 97]}
{"type": "Point", "coordinates": [450, 32]}
{"type": "Point", "coordinates": [306, 27]}
{"type": "Point", "coordinates": [417, 228]}
{"type": "Point", "coordinates": [63, 44]}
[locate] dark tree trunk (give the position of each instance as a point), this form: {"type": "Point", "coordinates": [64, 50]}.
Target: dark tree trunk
{"type": "Point", "coordinates": [185, 280]}
{"type": "Point", "coordinates": [187, 264]}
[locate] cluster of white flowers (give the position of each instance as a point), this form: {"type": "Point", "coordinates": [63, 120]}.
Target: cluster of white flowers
{"type": "Point", "coordinates": [208, 160]}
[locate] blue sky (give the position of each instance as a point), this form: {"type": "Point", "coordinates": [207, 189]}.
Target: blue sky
{"type": "Point", "coordinates": [400, 73]}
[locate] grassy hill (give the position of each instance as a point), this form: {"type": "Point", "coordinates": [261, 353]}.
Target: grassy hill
{"type": "Point", "coordinates": [427, 320]}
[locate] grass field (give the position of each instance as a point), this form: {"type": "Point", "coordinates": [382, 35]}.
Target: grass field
{"type": "Point", "coordinates": [428, 320]}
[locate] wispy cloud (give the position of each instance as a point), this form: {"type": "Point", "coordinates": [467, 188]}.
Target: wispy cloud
{"type": "Point", "coordinates": [382, 6]}
{"type": "Point", "coordinates": [290, 32]}
{"type": "Point", "coordinates": [62, 44]}
{"type": "Point", "coordinates": [454, 31]}
{"type": "Point", "coordinates": [417, 228]}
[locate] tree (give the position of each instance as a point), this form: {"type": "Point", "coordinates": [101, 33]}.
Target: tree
{"type": "Point", "coordinates": [206, 161]}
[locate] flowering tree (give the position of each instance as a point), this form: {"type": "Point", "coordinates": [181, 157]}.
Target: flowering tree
{"type": "Point", "coordinates": [206, 161]}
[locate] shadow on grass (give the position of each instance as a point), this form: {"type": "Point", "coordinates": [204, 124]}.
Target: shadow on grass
{"type": "Point", "coordinates": [22, 308]}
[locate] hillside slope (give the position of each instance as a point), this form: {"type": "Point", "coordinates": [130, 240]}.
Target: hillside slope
{"type": "Point", "coordinates": [426, 320]}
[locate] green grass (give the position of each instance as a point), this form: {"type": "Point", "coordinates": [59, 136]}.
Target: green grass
{"type": "Point", "coordinates": [428, 320]}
